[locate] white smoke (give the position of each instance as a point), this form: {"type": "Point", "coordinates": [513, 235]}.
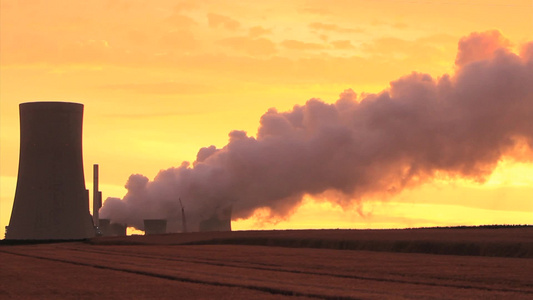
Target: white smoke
{"type": "Point", "coordinates": [421, 127]}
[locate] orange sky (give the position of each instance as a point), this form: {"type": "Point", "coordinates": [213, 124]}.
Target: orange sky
{"type": "Point", "coordinates": [161, 79]}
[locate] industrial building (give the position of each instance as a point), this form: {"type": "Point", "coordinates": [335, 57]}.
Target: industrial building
{"type": "Point", "coordinates": [155, 226]}
{"type": "Point", "coordinates": [111, 229]}
{"type": "Point", "coordinates": [51, 201]}
{"type": "Point", "coordinates": [219, 221]}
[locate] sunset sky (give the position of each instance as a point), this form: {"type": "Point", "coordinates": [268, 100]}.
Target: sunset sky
{"type": "Point", "coordinates": [162, 79]}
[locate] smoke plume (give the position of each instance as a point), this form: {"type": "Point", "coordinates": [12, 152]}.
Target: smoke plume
{"type": "Point", "coordinates": [419, 129]}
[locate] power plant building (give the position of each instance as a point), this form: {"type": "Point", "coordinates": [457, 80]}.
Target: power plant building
{"type": "Point", "coordinates": [51, 201]}
{"type": "Point", "coordinates": [112, 229]}
{"type": "Point", "coordinates": [220, 221]}
{"type": "Point", "coordinates": [155, 226]}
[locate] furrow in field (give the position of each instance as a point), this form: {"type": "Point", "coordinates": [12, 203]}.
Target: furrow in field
{"type": "Point", "coordinates": [462, 271]}
{"type": "Point", "coordinates": [290, 278]}
{"type": "Point", "coordinates": [23, 276]}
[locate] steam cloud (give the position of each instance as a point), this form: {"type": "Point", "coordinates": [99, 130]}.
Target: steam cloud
{"type": "Point", "coordinates": [420, 128]}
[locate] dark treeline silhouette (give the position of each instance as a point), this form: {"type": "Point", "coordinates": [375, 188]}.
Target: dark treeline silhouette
{"type": "Point", "coordinates": [495, 226]}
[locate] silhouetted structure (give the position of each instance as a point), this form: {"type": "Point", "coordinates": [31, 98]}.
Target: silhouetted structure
{"type": "Point", "coordinates": [112, 229]}
{"type": "Point", "coordinates": [155, 226]}
{"type": "Point", "coordinates": [97, 197]}
{"type": "Point", "coordinates": [183, 220]}
{"type": "Point", "coordinates": [51, 202]}
{"type": "Point", "coordinates": [220, 221]}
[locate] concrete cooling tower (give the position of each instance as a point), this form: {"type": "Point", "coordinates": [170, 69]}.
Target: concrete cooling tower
{"type": "Point", "coordinates": [51, 202]}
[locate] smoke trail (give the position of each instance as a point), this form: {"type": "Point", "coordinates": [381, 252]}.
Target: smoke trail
{"type": "Point", "coordinates": [420, 128]}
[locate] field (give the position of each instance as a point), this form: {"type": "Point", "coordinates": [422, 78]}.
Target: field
{"type": "Point", "coordinates": [469, 263]}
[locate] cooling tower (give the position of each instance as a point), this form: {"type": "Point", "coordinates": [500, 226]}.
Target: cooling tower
{"type": "Point", "coordinates": [51, 202]}
{"type": "Point", "coordinates": [155, 226]}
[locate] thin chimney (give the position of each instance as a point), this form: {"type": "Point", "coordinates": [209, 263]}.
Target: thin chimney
{"type": "Point", "coordinates": [183, 221]}
{"type": "Point", "coordinates": [97, 196]}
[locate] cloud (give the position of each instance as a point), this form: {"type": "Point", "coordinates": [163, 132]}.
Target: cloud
{"type": "Point", "coordinates": [252, 46]}
{"type": "Point", "coordinates": [417, 53]}
{"type": "Point", "coordinates": [187, 5]}
{"type": "Point", "coordinates": [257, 31]}
{"type": "Point", "coordinates": [334, 27]}
{"type": "Point", "coordinates": [480, 46]}
{"type": "Point", "coordinates": [216, 21]}
{"type": "Point", "coordinates": [179, 41]}
{"type": "Point", "coordinates": [527, 51]}
{"type": "Point", "coordinates": [181, 21]}
{"type": "Point", "coordinates": [299, 45]}
{"type": "Point", "coordinates": [88, 51]}
{"type": "Point", "coordinates": [316, 10]}
{"type": "Point", "coordinates": [400, 25]}
{"type": "Point", "coordinates": [160, 88]}
{"type": "Point", "coordinates": [344, 44]}
{"type": "Point", "coordinates": [419, 129]}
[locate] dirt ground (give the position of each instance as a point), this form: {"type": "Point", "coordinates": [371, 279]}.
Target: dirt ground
{"type": "Point", "coordinates": [81, 270]}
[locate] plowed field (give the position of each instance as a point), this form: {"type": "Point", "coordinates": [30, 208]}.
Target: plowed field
{"type": "Point", "coordinates": [160, 270]}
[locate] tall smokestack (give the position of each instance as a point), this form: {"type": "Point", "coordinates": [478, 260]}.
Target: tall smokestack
{"type": "Point", "coordinates": [97, 196]}
{"type": "Point", "coordinates": [51, 201]}
{"type": "Point", "coordinates": [183, 220]}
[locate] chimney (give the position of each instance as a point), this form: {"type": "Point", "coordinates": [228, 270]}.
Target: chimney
{"type": "Point", "coordinates": [97, 197]}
